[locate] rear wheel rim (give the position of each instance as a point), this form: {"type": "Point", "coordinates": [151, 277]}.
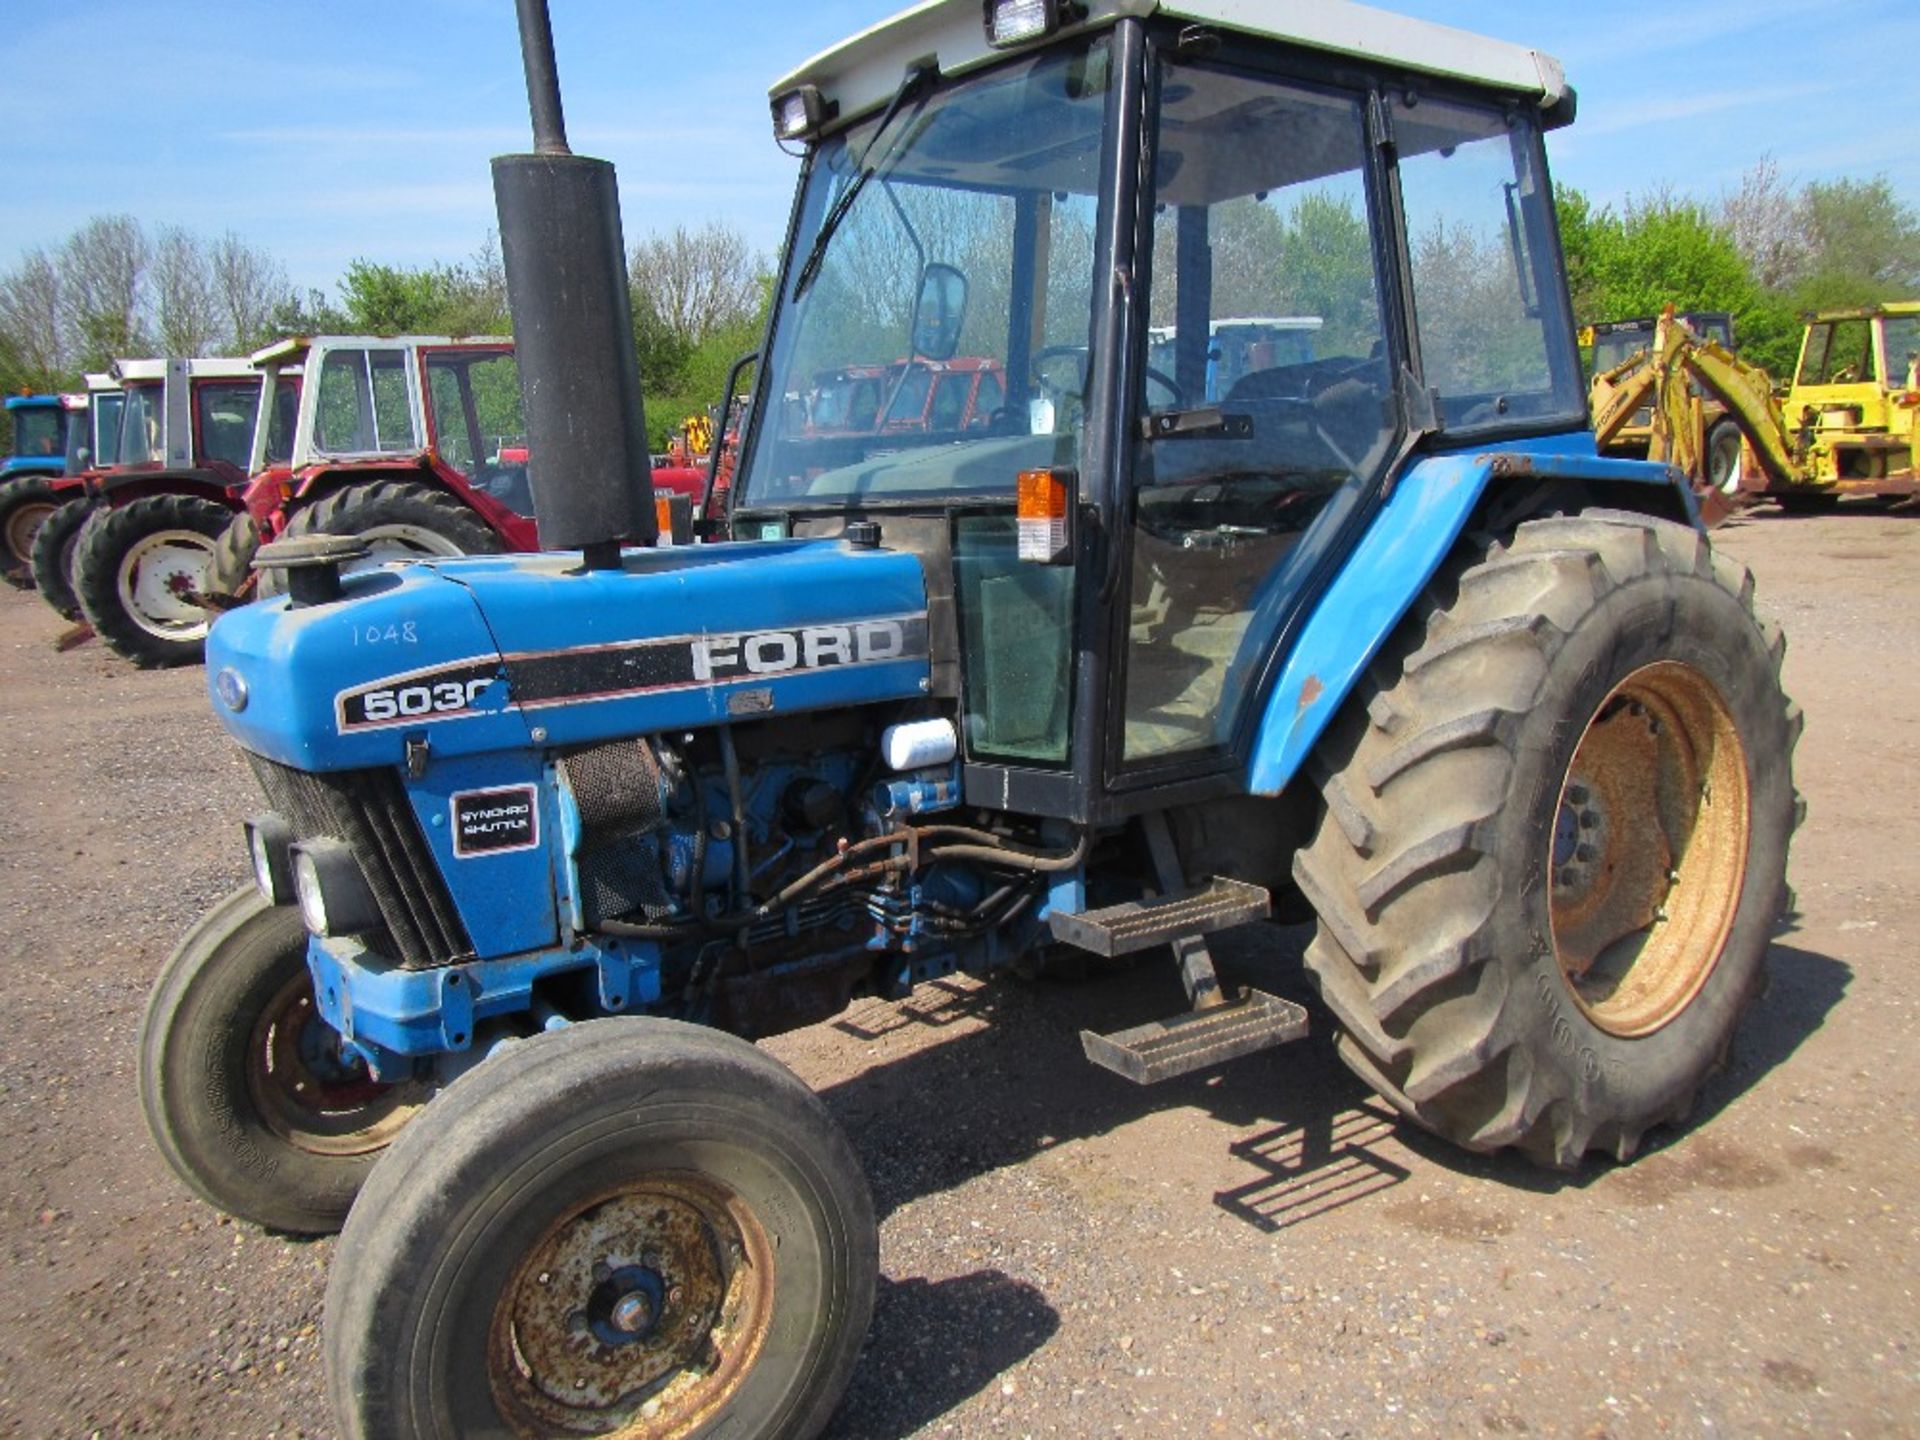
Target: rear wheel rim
{"type": "Point", "coordinates": [22, 525]}
{"type": "Point", "coordinates": [159, 577]}
{"type": "Point", "coordinates": [643, 1312]}
{"type": "Point", "coordinates": [1649, 849]}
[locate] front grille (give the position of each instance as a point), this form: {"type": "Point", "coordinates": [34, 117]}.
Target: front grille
{"type": "Point", "coordinates": [368, 811]}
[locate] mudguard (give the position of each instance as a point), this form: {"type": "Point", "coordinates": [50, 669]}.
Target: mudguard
{"type": "Point", "coordinates": [1412, 534]}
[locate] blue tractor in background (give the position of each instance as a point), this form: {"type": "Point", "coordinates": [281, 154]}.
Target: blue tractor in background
{"type": "Point", "coordinates": [1370, 635]}
{"type": "Point", "coordinates": [48, 433]}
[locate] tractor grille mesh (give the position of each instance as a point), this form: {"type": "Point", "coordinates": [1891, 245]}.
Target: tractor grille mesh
{"type": "Point", "coordinates": [368, 810]}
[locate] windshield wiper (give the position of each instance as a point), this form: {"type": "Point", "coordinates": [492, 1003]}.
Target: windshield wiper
{"type": "Point", "coordinates": [810, 268]}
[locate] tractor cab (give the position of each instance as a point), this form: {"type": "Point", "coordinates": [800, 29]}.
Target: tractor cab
{"type": "Point", "coordinates": [40, 435]}
{"type": "Point", "coordinates": [1102, 202]}
{"type": "Point", "coordinates": [1855, 400]}
{"type": "Point", "coordinates": [101, 434]}
{"type": "Point", "coordinates": [186, 415]}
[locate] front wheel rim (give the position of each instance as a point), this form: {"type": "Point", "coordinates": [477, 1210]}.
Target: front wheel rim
{"type": "Point", "coordinates": [1649, 849]}
{"type": "Point", "coordinates": [641, 1312]}
{"type": "Point", "coordinates": [308, 1092]}
{"type": "Point", "coordinates": [387, 543]}
{"type": "Point", "coordinates": [158, 579]}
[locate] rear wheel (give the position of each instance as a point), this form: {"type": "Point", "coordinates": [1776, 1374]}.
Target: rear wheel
{"type": "Point", "coordinates": [630, 1225]}
{"type": "Point", "coordinates": [25, 504]}
{"type": "Point", "coordinates": [53, 547]}
{"type": "Point", "coordinates": [138, 572]}
{"type": "Point", "coordinates": [1555, 837]}
{"type": "Point", "coordinates": [246, 1091]}
{"type": "Point", "coordinates": [232, 566]}
{"type": "Point", "coordinates": [399, 520]}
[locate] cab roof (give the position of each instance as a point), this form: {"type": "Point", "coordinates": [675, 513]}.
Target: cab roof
{"type": "Point", "coordinates": [863, 72]}
{"type": "Point", "coordinates": [295, 347]}
{"type": "Point", "coordinates": [200, 368]}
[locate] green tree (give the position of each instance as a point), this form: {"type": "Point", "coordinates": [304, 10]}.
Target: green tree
{"type": "Point", "coordinates": [1865, 244]}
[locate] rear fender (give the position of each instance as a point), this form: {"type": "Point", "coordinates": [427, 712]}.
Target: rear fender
{"type": "Point", "coordinates": [1430, 506]}
{"type": "Point", "coordinates": [124, 489]}
{"type": "Point", "coordinates": [516, 532]}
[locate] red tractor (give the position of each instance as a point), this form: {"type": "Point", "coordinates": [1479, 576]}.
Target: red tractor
{"type": "Point", "coordinates": [414, 444]}
{"type": "Point", "coordinates": [130, 544]}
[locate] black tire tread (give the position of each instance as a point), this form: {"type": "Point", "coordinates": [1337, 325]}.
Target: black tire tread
{"type": "Point", "coordinates": [53, 549]}
{"type": "Point", "coordinates": [356, 508]}
{"type": "Point", "coordinates": [17, 491]}
{"type": "Point", "coordinates": [105, 538]}
{"type": "Point", "coordinates": [1399, 869]}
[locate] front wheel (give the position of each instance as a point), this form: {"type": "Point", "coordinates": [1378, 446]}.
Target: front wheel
{"type": "Point", "coordinates": [25, 503]}
{"type": "Point", "coordinates": [1723, 458]}
{"type": "Point", "coordinates": [139, 570]}
{"type": "Point", "coordinates": [246, 1092]}
{"type": "Point", "coordinates": [630, 1225]}
{"type": "Point", "coordinates": [1554, 838]}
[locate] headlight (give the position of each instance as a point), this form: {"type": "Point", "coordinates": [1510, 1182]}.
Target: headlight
{"type": "Point", "coordinates": [268, 840]}
{"type": "Point", "coordinates": [333, 894]}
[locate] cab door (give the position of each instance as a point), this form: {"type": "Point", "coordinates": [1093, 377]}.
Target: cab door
{"type": "Point", "coordinates": [1265, 212]}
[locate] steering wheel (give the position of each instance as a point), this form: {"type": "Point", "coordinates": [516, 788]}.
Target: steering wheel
{"type": "Point", "coordinates": [1076, 386]}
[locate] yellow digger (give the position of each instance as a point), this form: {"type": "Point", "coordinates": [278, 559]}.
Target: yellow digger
{"type": "Point", "coordinates": [1850, 424]}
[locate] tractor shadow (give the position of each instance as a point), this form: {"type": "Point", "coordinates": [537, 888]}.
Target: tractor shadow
{"type": "Point", "coordinates": [935, 1343]}
{"type": "Point", "coordinates": [1000, 1092]}
{"type": "Point", "coordinates": [979, 1097]}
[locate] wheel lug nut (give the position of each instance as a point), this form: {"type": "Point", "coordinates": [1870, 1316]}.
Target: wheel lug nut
{"type": "Point", "coordinates": [1584, 852]}
{"type": "Point", "coordinates": [1576, 794]}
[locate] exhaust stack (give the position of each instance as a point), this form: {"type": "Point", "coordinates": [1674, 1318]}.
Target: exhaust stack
{"type": "Point", "coordinates": [566, 269]}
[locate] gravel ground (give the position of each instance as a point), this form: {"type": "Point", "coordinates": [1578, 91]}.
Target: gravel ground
{"type": "Point", "coordinates": [1264, 1251]}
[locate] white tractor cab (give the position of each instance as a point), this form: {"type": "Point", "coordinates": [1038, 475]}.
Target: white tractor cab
{"type": "Point", "coordinates": [142, 556]}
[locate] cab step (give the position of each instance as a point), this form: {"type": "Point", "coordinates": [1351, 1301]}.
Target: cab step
{"type": "Point", "coordinates": [1141, 924]}
{"type": "Point", "coordinates": [1197, 1040]}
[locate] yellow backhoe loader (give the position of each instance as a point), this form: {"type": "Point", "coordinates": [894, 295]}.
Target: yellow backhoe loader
{"type": "Point", "coordinates": [1850, 424]}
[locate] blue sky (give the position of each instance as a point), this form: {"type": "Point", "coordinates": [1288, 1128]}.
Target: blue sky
{"type": "Point", "coordinates": [323, 130]}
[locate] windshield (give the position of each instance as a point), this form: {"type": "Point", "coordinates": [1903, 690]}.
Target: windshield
{"type": "Point", "coordinates": [78, 454]}
{"type": "Point", "coordinates": [143, 432]}
{"type": "Point", "coordinates": [1903, 349]}
{"type": "Point", "coordinates": [106, 406]}
{"type": "Point", "coordinates": [995, 177]}
{"type": "Point", "coordinates": [473, 407]}
{"type": "Point", "coordinates": [36, 430]}
{"type": "Point", "coordinates": [224, 412]}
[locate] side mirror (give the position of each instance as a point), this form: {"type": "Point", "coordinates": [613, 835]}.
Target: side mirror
{"type": "Point", "coordinates": [940, 312]}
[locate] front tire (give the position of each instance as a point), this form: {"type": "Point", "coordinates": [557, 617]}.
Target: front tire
{"type": "Point", "coordinates": [244, 1088]}
{"type": "Point", "coordinates": [1554, 840]}
{"type": "Point", "coordinates": [53, 546]}
{"type": "Point", "coordinates": [1723, 458]}
{"type": "Point", "coordinates": [582, 1234]}
{"type": "Point", "coordinates": [25, 504]}
{"type": "Point", "coordinates": [139, 569]}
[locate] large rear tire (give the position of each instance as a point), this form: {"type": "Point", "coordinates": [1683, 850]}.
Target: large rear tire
{"type": "Point", "coordinates": [139, 569]}
{"type": "Point", "coordinates": [245, 1090]}
{"type": "Point", "coordinates": [25, 503]}
{"type": "Point", "coordinates": [399, 520]}
{"type": "Point", "coordinates": [232, 565]}
{"type": "Point", "coordinates": [53, 546]}
{"type": "Point", "coordinates": [1554, 840]}
{"type": "Point", "coordinates": [627, 1223]}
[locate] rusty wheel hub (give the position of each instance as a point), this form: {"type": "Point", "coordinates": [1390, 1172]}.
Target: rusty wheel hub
{"type": "Point", "coordinates": [1649, 849]}
{"type": "Point", "coordinates": [308, 1092]}
{"type": "Point", "coordinates": [639, 1314]}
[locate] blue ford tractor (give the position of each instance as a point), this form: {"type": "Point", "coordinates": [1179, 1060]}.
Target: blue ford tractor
{"type": "Point", "coordinates": [47, 429]}
{"type": "Point", "coordinates": [1373, 637]}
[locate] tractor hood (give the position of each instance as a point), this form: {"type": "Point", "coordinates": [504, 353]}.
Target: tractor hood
{"type": "Point", "coordinates": [504, 653]}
